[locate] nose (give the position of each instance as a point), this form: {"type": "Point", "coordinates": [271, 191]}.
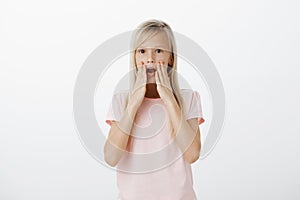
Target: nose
{"type": "Point", "coordinates": [150, 57]}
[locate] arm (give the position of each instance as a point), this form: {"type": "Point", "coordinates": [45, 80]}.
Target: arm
{"type": "Point", "coordinates": [186, 133]}
{"type": "Point", "coordinates": [117, 140]}
{"type": "Point", "coordinates": [120, 131]}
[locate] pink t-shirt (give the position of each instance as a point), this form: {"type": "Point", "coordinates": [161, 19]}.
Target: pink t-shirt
{"type": "Point", "coordinates": [154, 168]}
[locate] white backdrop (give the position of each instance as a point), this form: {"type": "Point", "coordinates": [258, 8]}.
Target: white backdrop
{"type": "Point", "coordinates": [254, 45]}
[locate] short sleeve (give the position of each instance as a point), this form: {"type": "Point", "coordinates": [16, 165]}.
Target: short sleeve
{"type": "Point", "coordinates": [194, 107]}
{"type": "Point", "coordinates": [116, 108]}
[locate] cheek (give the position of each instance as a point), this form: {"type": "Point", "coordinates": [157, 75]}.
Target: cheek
{"type": "Point", "coordinates": [166, 59]}
{"type": "Point", "coordinates": [162, 58]}
{"type": "Point", "coordinates": [138, 58]}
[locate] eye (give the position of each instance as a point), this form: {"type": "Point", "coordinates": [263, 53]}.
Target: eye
{"type": "Point", "coordinates": [158, 50]}
{"type": "Point", "coordinates": [141, 51]}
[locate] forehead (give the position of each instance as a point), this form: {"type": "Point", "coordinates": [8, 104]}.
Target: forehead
{"type": "Point", "coordinates": [158, 40]}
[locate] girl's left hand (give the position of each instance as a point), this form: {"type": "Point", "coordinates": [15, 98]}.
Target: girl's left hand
{"type": "Point", "coordinates": [163, 84]}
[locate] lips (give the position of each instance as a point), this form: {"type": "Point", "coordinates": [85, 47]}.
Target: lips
{"type": "Point", "coordinates": [150, 68]}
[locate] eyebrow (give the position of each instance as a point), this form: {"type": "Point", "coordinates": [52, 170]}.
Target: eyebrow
{"type": "Point", "coordinates": [160, 47]}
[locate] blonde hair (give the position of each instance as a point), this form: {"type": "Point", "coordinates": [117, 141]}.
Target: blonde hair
{"type": "Point", "coordinates": [144, 31]}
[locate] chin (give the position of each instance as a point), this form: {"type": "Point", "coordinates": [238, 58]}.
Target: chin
{"type": "Point", "coordinates": [151, 81]}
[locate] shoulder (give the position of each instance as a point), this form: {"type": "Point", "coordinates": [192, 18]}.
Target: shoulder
{"type": "Point", "coordinates": [192, 105]}
{"type": "Point", "coordinates": [119, 98]}
{"type": "Point", "coordinates": [189, 94]}
{"type": "Point", "coordinates": [121, 94]}
{"type": "Point", "coordinates": [191, 99]}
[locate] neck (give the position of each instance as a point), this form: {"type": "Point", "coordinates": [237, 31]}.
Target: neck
{"type": "Point", "coordinates": [151, 91]}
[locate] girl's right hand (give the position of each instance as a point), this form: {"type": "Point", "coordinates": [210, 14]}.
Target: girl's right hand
{"type": "Point", "coordinates": [139, 88]}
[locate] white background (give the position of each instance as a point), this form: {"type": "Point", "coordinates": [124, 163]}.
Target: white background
{"type": "Point", "coordinates": [254, 45]}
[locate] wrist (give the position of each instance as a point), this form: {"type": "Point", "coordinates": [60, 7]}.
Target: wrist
{"type": "Point", "coordinates": [132, 107]}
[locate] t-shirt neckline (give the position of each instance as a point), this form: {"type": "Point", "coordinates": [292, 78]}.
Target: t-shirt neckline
{"type": "Point", "coordinates": [152, 99]}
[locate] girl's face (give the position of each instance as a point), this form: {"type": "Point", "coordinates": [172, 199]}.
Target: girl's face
{"type": "Point", "coordinates": [150, 52]}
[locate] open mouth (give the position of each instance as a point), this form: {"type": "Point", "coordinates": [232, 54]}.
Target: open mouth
{"type": "Point", "coordinates": [150, 70]}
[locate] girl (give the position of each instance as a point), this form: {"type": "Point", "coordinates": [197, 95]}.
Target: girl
{"type": "Point", "coordinates": [154, 117]}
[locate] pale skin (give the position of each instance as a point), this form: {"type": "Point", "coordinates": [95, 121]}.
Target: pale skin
{"type": "Point", "coordinates": [154, 53]}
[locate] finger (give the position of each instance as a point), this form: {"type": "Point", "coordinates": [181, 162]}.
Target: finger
{"type": "Point", "coordinates": [140, 65]}
{"type": "Point", "coordinates": [163, 77]}
{"type": "Point", "coordinates": [141, 73]}
{"type": "Point", "coordinates": [161, 73]}
{"type": "Point", "coordinates": [163, 69]}
{"type": "Point", "coordinates": [157, 81]}
{"type": "Point", "coordinates": [158, 75]}
{"type": "Point", "coordinates": [144, 71]}
{"type": "Point", "coordinates": [137, 72]}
